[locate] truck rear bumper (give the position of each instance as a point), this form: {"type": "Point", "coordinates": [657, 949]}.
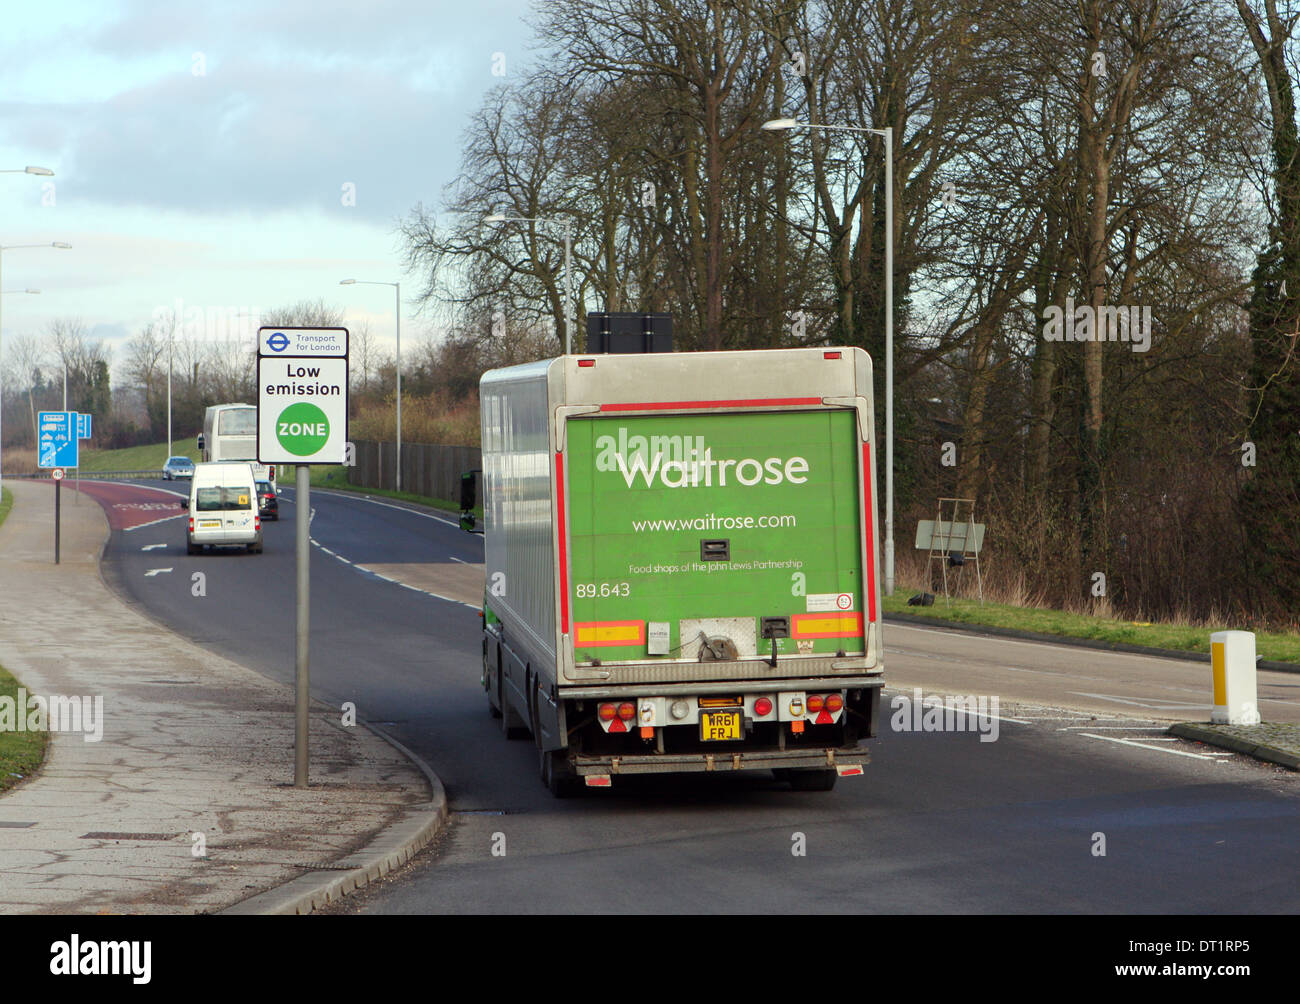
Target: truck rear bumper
{"type": "Point", "coordinates": [614, 691]}
{"type": "Point", "coordinates": [672, 763]}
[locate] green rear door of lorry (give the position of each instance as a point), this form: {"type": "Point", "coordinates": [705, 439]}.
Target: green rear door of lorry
{"type": "Point", "coordinates": [689, 530]}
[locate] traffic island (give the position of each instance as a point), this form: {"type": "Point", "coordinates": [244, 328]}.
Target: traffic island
{"type": "Point", "coordinates": [1274, 742]}
{"type": "Point", "coordinates": [170, 788]}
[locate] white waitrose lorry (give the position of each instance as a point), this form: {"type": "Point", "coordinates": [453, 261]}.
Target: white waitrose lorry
{"type": "Point", "coordinates": [681, 563]}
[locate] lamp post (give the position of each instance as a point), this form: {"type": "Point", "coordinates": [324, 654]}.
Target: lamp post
{"type": "Point", "coordinates": [398, 287]}
{"type": "Point", "coordinates": [783, 125]}
{"type": "Point", "coordinates": [568, 269]}
{"type": "Point", "coordinates": [14, 247]}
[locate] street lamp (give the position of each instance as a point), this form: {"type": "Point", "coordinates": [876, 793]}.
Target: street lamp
{"type": "Point", "coordinates": [398, 287]}
{"type": "Point", "coordinates": [568, 270]}
{"type": "Point", "coordinates": [44, 172]}
{"type": "Point", "coordinates": [782, 125]}
{"type": "Point", "coordinates": [15, 247]}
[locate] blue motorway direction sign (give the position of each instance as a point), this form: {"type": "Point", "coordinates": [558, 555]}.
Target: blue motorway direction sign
{"type": "Point", "coordinates": [83, 425]}
{"type": "Point", "coordinates": [56, 439]}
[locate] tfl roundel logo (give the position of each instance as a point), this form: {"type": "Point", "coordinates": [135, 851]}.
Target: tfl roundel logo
{"type": "Point", "coordinates": [278, 342]}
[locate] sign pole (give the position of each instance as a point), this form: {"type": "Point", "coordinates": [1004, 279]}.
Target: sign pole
{"type": "Point", "coordinates": [302, 680]}
{"type": "Point", "coordinates": [302, 419]}
{"type": "Point", "coordinates": [58, 483]}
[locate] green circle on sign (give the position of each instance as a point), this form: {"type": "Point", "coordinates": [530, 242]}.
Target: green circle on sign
{"type": "Point", "coordinates": [302, 429]}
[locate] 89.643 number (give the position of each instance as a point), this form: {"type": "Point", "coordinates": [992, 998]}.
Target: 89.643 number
{"type": "Point", "coordinates": [590, 590]}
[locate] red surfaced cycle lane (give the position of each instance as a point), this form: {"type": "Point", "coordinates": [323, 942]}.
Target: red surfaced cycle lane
{"type": "Point", "coordinates": [129, 506]}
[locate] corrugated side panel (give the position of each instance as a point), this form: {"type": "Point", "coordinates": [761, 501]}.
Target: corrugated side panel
{"type": "Point", "coordinates": [519, 555]}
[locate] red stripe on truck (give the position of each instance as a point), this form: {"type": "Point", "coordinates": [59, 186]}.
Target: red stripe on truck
{"type": "Point", "coordinates": [869, 532]}
{"type": "Point", "coordinates": [758, 402]}
{"type": "Point", "coordinates": [563, 543]}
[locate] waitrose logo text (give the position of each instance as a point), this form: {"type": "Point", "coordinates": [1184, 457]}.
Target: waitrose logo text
{"type": "Point", "coordinates": [688, 462]}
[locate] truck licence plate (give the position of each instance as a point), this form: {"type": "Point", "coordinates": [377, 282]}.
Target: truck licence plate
{"type": "Point", "coordinates": [720, 725]}
{"type": "Point", "coordinates": [209, 524]}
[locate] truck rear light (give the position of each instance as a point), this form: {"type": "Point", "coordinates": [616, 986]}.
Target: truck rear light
{"type": "Point", "coordinates": [830, 355]}
{"type": "Point", "coordinates": [607, 712]}
{"type": "Point", "coordinates": [762, 707]}
{"type": "Point", "coordinates": [191, 524]}
{"type": "Point", "coordinates": [627, 711]}
{"type": "Point", "coordinates": [257, 522]}
{"type": "Point", "coordinates": [834, 702]}
{"type": "Point", "coordinates": [815, 703]}
{"type": "Point", "coordinates": [680, 710]}
{"type": "Point", "coordinates": [586, 362]}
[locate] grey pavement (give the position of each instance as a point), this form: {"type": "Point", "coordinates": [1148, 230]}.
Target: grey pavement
{"type": "Point", "coordinates": [196, 753]}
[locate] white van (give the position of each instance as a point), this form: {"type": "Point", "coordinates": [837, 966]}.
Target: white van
{"type": "Point", "coordinates": [223, 507]}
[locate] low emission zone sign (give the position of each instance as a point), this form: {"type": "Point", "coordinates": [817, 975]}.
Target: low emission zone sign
{"type": "Point", "coordinates": [302, 395]}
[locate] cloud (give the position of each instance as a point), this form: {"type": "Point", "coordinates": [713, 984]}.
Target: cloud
{"type": "Point", "coordinates": [269, 107]}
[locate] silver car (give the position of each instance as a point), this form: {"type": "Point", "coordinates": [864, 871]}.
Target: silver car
{"type": "Point", "coordinates": [178, 467]}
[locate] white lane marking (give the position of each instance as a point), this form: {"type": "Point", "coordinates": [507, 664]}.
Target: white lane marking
{"type": "Point", "coordinates": [166, 491]}
{"type": "Point", "coordinates": [1154, 703]}
{"type": "Point", "coordinates": [155, 571]}
{"type": "Point", "coordinates": [152, 547]}
{"type": "Point", "coordinates": [462, 561]}
{"type": "Point", "coordinates": [153, 522]}
{"type": "Point", "coordinates": [936, 701]}
{"type": "Point", "coordinates": [386, 505]}
{"type": "Point", "coordinates": [1157, 749]}
{"type": "Point", "coordinates": [417, 589]}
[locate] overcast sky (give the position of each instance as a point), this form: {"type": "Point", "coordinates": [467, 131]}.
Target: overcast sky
{"type": "Point", "coordinates": [203, 151]}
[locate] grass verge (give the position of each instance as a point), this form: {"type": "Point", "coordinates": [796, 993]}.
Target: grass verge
{"type": "Point", "coordinates": [1175, 637]}
{"type": "Point", "coordinates": [336, 478]}
{"type": "Point", "coordinates": [21, 753]}
{"type": "Point", "coordinates": [137, 458]}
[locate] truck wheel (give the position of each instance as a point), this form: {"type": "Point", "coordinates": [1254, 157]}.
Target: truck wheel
{"type": "Point", "coordinates": [191, 548]}
{"type": "Point", "coordinates": [556, 775]}
{"type": "Point", "coordinates": [813, 780]}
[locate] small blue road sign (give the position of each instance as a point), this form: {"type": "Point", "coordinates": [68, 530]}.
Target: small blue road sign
{"type": "Point", "coordinates": [83, 425]}
{"type": "Point", "coordinates": [56, 439]}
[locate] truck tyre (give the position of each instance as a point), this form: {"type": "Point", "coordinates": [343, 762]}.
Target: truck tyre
{"type": "Point", "coordinates": [556, 775]}
{"type": "Point", "coordinates": [192, 548]}
{"type": "Point", "coordinates": [813, 780]}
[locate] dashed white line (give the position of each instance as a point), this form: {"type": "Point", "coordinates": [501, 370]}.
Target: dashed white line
{"type": "Point", "coordinates": [155, 571]}
{"type": "Point", "coordinates": [153, 522]}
